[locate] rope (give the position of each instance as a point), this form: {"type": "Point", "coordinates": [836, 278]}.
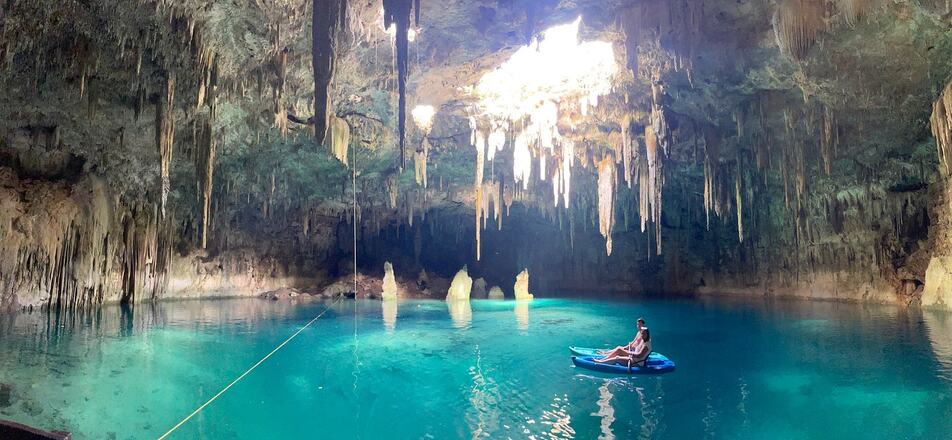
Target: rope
{"type": "Point", "coordinates": [356, 372]}
{"type": "Point", "coordinates": [249, 370]}
{"type": "Point", "coordinates": [326, 308]}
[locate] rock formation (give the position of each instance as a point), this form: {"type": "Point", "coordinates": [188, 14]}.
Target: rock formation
{"type": "Point", "coordinates": [479, 289]}
{"type": "Point", "coordinates": [391, 290]}
{"type": "Point", "coordinates": [496, 293]}
{"type": "Point", "coordinates": [460, 287]}
{"type": "Point", "coordinates": [521, 288]}
{"type": "Point", "coordinates": [152, 150]}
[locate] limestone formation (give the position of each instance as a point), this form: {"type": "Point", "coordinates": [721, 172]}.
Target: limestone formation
{"type": "Point", "coordinates": [479, 289]}
{"type": "Point", "coordinates": [521, 288]}
{"type": "Point", "coordinates": [496, 293]}
{"type": "Point", "coordinates": [391, 290]}
{"type": "Point", "coordinates": [155, 149]}
{"type": "Point", "coordinates": [460, 287]}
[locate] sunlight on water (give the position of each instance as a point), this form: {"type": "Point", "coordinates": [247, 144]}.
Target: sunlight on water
{"type": "Point", "coordinates": [480, 369]}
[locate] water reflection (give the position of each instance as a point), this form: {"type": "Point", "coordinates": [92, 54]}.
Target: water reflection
{"type": "Point", "coordinates": [605, 411]}
{"type": "Point", "coordinates": [649, 412]}
{"type": "Point", "coordinates": [558, 419]}
{"type": "Point", "coordinates": [522, 315]}
{"type": "Point", "coordinates": [461, 312]}
{"type": "Point", "coordinates": [388, 309]}
{"type": "Point", "coordinates": [51, 328]}
{"type": "Point", "coordinates": [939, 329]}
{"type": "Point", "coordinates": [483, 416]}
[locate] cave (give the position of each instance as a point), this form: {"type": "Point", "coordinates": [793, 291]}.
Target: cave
{"type": "Point", "coordinates": [421, 219]}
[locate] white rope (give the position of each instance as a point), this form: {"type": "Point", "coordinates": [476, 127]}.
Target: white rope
{"type": "Point", "coordinates": [216, 396]}
{"type": "Point", "coordinates": [249, 370]}
{"type": "Point", "coordinates": [356, 372]}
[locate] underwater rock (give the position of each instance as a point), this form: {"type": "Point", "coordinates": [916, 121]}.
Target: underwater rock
{"type": "Point", "coordinates": [31, 407]}
{"type": "Point", "coordinates": [521, 287]}
{"type": "Point", "coordinates": [496, 293]}
{"type": "Point", "coordinates": [6, 395]}
{"type": "Point", "coordinates": [390, 289]}
{"type": "Point", "coordinates": [479, 289]}
{"type": "Point", "coordinates": [461, 286]}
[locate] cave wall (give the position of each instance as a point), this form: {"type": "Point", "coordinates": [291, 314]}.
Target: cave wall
{"type": "Point", "coordinates": [66, 240]}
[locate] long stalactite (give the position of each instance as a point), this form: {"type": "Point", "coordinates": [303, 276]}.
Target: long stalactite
{"type": "Point", "coordinates": [398, 13]}
{"type": "Point", "coordinates": [164, 136]}
{"type": "Point", "coordinates": [205, 169]}
{"type": "Point", "coordinates": [328, 17]}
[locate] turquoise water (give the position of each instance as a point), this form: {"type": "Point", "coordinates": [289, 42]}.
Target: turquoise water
{"type": "Point", "coordinates": [491, 369]}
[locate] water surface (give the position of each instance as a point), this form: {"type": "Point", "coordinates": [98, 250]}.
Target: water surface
{"type": "Point", "coordinates": [490, 369]}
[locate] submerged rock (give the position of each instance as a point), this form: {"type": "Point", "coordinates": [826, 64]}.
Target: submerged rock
{"type": "Point", "coordinates": [496, 293]}
{"type": "Point", "coordinates": [521, 287]}
{"type": "Point", "coordinates": [6, 395]}
{"type": "Point", "coordinates": [461, 286]}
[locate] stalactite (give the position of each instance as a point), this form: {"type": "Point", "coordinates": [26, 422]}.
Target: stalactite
{"type": "Point", "coordinates": [651, 182]}
{"type": "Point", "coordinates": [629, 150]}
{"type": "Point", "coordinates": [164, 134]}
{"type": "Point", "coordinates": [711, 151]}
{"type": "Point", "coordinates": [328, 16]}
{"type": "Point", "coordinates": [606, 200]}
{"type": "Point", "coordinates": [507, 197]}
{"type": "Point", "coordinates": [659, 123]}
{"type": "Point", "coordinates": [280, 107]}
{"type": "Point", "coordinates": [828, 140]}
{"type": "Point", "coordinates": [522, 161]}
{"type": "Point", "coordinates": [854, 10]}
{"type": "Point", "coordinates": [340, 138]}
{"type": "Point", "coordinates": [568, 160]}
{"type": "Point", "coordinates": [739, 203]}
{"type": "Point", "coordinates": [478, 187]}
{"type": "Point", "coordinates": [419, 162]}
{"type": "Point", "coordinates": [397, 13]}
{"type": "Point", "coordinates": [205, 168]}
{"type": "Point", "coordinates": [797, 24]}
{"type": "Point", "coordinates": [941, 121]}
{"type": "Point", "coordinates": [762, 151]}
{"type": "Point", "coordinates": [392, 190]}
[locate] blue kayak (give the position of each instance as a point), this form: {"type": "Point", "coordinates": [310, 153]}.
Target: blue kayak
{"type": "Point", "coordinates": [590, 352]}
{"type": "Point", "coordinates": [657, 363]}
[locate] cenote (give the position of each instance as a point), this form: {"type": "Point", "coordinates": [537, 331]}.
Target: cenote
{"type": "Point", "coordinates": [423, 219]}
{"type": "Point", "coordinates": [492, 369]}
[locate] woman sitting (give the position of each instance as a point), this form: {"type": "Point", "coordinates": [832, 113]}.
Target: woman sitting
{"type": "Point", "coordinates": [634, 345]}
{"type": "Point", "coordinates": [634, 357]}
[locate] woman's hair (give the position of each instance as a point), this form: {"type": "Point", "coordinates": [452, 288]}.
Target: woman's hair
{"type": "Point", "coordinates": [646, 334]}
{"type": "Point", "coordinates": [640, 320]}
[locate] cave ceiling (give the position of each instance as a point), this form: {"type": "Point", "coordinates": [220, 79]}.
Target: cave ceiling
{"type": "Point", "coordinates": [780, 97]}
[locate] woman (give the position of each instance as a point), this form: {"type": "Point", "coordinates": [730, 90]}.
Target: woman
{"type": "Point", "coordinates": [633, 357]}
{"type": "Point", "coordinates": [632, 346]}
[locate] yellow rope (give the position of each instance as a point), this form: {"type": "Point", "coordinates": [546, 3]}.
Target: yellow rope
{"type": "Point", "coordinates": [216, 396]}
